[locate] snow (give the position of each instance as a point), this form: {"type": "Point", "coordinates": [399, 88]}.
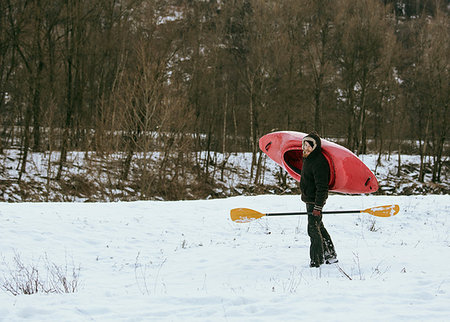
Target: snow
{"type": "Point", "coordinates": [187, 261]}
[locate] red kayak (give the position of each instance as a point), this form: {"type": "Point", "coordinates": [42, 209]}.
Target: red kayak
{"type": "Point", "coordinates": [348, 173]}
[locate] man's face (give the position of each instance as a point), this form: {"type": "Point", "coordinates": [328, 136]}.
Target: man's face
{"type": "Point", "coordinates": [307, 148]}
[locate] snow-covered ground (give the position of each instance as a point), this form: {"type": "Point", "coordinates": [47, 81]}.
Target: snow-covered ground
{"type": "Point", "coordinates": [187, 261]}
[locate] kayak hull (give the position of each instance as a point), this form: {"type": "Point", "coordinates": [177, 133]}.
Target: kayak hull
{"type": "Point", "coordinates": [348, 174]}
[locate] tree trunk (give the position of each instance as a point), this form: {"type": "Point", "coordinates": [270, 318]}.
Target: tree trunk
{"type": "Point", "coordinates": [26, 142]}
{"type": "Point", "coordinates": [224, 139]}
{"type": "Point", "coordinates": [380, 151]}
{"type": "Point", "coordinates": [438, 159]}
{"type": "Point", "coordinates": [362, 120]}
{"type": "Point", "coordinates": [127, 162]}
{"type": "Point", "coordinates": [37, 109]}
{"type": "Point", "coordinates": [317, 111]}
{"type": "Point", "coordinates": [37, 82]}
{"type": "Point", "coordinates": [252, 123]}
{"type": "Point", "coordinates": [399, 164]}
{"type": "Point", "coordinates": [235, 126]}
{"type": "Point", "coordinates": [258, 168]}
{"type": "Point", "coordinates": [423, 149]}
{"type": "Point", "coordinates": [69, 46]}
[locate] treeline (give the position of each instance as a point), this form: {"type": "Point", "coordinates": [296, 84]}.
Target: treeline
{"type": "Point", "coordinates": [126, 78]}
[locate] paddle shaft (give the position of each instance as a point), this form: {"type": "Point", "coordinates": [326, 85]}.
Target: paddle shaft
{"type": "Point", "coordinates": [305, 213]}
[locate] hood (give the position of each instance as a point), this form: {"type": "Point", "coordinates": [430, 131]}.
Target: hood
{"type": "Point", "coordinates": [315, 140]}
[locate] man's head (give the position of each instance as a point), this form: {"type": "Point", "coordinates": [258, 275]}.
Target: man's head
{"type": "Point", "coordinates": [310, 143]}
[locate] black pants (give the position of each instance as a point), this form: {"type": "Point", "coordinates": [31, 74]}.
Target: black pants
{"type": "Point", "coordinates": [321, 245]}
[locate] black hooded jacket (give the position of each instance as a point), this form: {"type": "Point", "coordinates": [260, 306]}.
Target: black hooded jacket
{"type": "Point", "coordinates": [315, 176]}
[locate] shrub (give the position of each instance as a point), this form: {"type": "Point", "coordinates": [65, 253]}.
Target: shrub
{"type": "Point", "coordinates": [45, 277]}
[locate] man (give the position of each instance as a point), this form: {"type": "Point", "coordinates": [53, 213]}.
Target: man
{"type": "Point", "coordinates": [315, 176]}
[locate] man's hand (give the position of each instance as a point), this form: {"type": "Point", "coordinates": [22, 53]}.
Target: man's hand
{"type": "Point", "coordinates": [317, 211]}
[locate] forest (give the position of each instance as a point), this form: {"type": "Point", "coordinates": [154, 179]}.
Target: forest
{"type": "Point", "coordinates": [151, 90]}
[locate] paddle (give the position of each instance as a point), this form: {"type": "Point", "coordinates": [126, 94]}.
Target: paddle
{"type": "Point", "coordinates": [246, 215]}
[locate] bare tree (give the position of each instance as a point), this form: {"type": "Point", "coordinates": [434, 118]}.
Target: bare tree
{"type": "Point", "coordinates": [316, 51]}
{"type": "Point", "coordinates": [432, 95]}
{"type": "Point", "coordinates": [26, 38]}
{"type": "Point", "coordinates": [361, 32]}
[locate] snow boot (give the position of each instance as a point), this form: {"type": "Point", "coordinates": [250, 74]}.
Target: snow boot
{"type": "Point", "coordinates": [331, 259]}
{"type": "Point", "coordinates": [315, 264]}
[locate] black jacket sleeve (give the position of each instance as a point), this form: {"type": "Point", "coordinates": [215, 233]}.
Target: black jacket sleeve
{"type": "Point", "coordinates": [321, 174]}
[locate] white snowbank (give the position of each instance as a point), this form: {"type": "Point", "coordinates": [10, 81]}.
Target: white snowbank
{"type": "Point", "coordinates": [173, 261]}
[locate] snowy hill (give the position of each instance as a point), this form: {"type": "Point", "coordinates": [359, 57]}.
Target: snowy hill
{"type": "Point", "coordinates": [187, 261]}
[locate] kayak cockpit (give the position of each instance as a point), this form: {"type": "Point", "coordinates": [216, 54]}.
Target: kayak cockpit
{"type": "Point", "coordinates": [293, 159]}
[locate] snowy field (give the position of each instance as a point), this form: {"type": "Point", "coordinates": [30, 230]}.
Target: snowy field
{"type": "Point", "coordinates": [187, 261]}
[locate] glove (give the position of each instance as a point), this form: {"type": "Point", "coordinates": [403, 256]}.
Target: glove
{"type": "Point", "coordinates": [317, 211]}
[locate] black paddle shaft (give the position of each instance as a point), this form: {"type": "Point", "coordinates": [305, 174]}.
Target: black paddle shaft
{"type": "Point", "coordinates": [305, 213]}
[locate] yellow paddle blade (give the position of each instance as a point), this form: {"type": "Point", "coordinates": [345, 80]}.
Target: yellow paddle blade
{"type": "Point", "coordinates": [245, 214]}
{"type": "Point", "coordinates": [383, 211]}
